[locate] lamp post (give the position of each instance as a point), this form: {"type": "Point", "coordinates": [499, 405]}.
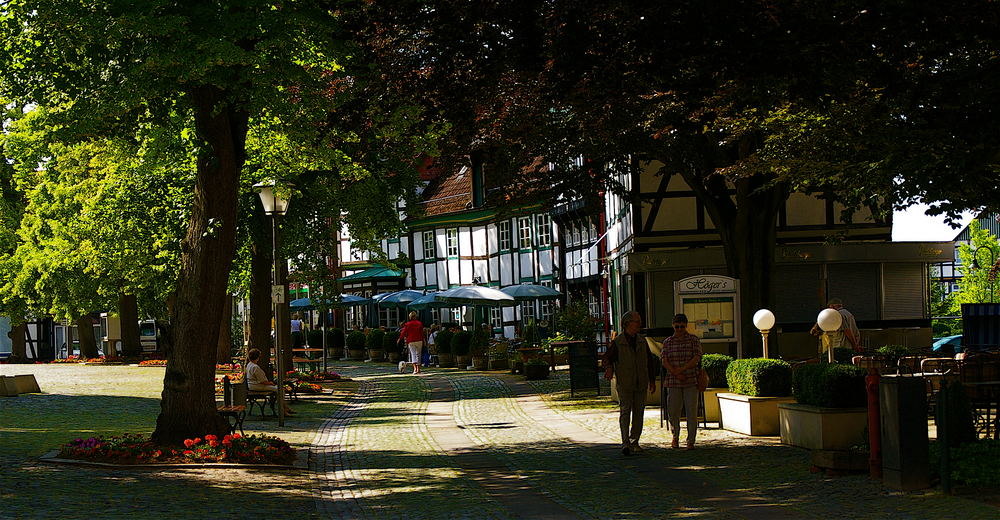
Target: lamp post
{"type": "Point", "coordinates": [976, 265]}
{"type": "Point", "coordinates": [829, 320]}
{"type": "Point", "coordinates": [763, 320]}
{"type": "Point", "coordinates": [275, 203]}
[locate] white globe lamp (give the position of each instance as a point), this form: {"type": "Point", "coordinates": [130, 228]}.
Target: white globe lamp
{"type": "Point", "coordinates": [829, 320]}
{"type": "Point", "coordinates": [764, 321]}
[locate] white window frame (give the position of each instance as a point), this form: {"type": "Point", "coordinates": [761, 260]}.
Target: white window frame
{"type": "Point", "coordinates": [524, 232]}
{"type": "Point", "coordinates": [456, 315]}
{"type": "Point", "coordinates": [503, 235]}
{"type": "Point", "coordinates": [544, 230]}
{"type": "Point", "coordinates": [576, 239]}
{"type": "Point", "coordinates": [430, 246]}
{"type": "Point", "coordinates": [496, 316]}
{"type": "Point", "coordinates": [546, 307]}
{"type": "Point", "coordinates": [451, 241]}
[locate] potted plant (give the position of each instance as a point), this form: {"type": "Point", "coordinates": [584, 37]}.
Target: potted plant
{"type": "Point", "coordinates": [390, 345]}
{"type": "Point", "coordinates": [477, 348]}
{"type": "Point", "coordinates": [498, 352]}
{"type": "Point", "coordinates": [374, 344]}
{"type": "Point", "coordinates": [715, 365]}
{"type": "Point", "coordinates": [460, 345]}
{"type": "Point", "coordinates": [536, 368]}
{"type": "Point", "coordinates": [314, 338]}
{"type": "Point", "coordinates": [830, 411]}
{"type": "Point", "coordinates": [756, 387]}
{"type": "Point", "coordinates": [443, 343]}
{"type": "Point", "coordinates": [356, 345]}
{"type": "Point", "coordinates": [335, 341]}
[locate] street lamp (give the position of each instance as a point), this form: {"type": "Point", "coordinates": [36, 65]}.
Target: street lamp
{"type": "Point", "coordinates": [763, 320]}
{"type": "Point", "coordinates": [829, 320]}
{"type": "Point", "coordinates": [993, 259]}
{"type": "Point", "coordinates": [275, 203]}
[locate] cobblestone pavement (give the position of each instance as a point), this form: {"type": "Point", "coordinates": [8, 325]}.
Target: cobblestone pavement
{"type": "Point", "coordinates": [446, 444]}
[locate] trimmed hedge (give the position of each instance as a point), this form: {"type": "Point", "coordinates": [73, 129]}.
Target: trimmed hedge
{"type": "Point", "coordinates": [390, 341]}
{"type": "Point", "coordinates": [716, 365]}
{"type": "Point", "coordinates": [314, 338]}
{"type": "Point", "coordinates": [892, 353]}
{"type": "Point", "coordinates": [830, 385]}
{"type": "Point", "coordinates": [335, 338]}
{"type": "Point", "coordinates": [461, 342]}
{"type": "Point", "coordinates": [356, 340]}
{"type": "Point", "coordinates": [760, 377]}
{"type": "Point", "coordinates": [442, 342]}
{"type": "Point", "coordinates": [374, 340]}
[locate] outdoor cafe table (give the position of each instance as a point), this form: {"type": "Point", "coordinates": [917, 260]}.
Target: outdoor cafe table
{"type": "Point", "coordinates": [986, 394]}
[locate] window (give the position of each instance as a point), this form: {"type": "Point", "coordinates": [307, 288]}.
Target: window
{"type": "Point", "coordinates": [456, 315]}
{"type": "Point", "coordinates": [429, 249]}
{"type": "Point", "coordinates": [594, 303]}
{"type": "Point", "coordinates": [545, 305]}
{"type": "Point", "coordinates": [452, 240]}
{"type": "Point", "coordinates": [496, 316]}
{"type": "Point", "coordinates": [524, 228]}
{"type": "Point", "coordinates": [575, 240]}
{"type": "Point", "coordinates": [388, 317]}
{"type": "Point", "coordinates": [503, 230]}
{"type": "Point", "coordinates": [593, 231]}
{"type": "Point", "coordinates": [544, 230]}
{"type": "Point", "coordinates": [528, 312]}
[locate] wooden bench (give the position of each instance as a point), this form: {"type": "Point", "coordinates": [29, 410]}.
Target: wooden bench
{"type": "Point", "coordinates": [234, 404]}
{"type": "Point", "coordinates": [306, 361]}
{"type": "Point", "coordinates": [261, 398]}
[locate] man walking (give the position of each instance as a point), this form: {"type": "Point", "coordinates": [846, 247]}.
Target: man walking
{"type": "Point", "coordinates": [630, 362]}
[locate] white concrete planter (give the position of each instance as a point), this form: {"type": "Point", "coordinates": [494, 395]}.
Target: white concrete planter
{"type": "Point", "coordinates": [818, 428]}
{"type": "Point", "coordinates": [712, 413]}
{"type": "Point", "coordinates": [751, 415]}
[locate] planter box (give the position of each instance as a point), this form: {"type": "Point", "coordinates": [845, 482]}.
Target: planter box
{"type": "Point", "coordinates": [479, 362]}
{"type": "Point", "coordinates": [535, 372]}
{"type": "Point", "coordinates": [712, 413]}
{"type": "Point", "coordinates": [499, 364]}
{"type": "Point", "coordinates": [463, 362]}
{"type": "Point", "coordinates": [26, 384]}
{"type": "Point", "coordinates": [394, 357]}
{"type": "Point", "coordinates": [818, 428]}
{"type": "Point", "coordinates": [337, 352]}
{"type": "Point", "coordinates": [376, 354]}
{"type": "Point", "coordinates": [446, 360]}
{"type": "Point", "coordinates": [356, 354]}
{"type": "Point", "coordinates": [751, 415]}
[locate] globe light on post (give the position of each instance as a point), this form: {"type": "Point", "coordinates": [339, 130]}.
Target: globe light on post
{"type": "Point", "coordinates": [275, 202]}
{"type": "Point", "coordinates": [763, 320]}
{"type": "Point", "coordinates": [829, 320]}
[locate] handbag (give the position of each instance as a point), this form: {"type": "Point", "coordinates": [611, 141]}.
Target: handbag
{"type": "Point", "coordinates": [702, 379]}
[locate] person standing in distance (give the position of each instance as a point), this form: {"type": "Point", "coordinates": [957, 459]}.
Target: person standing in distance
{"type": "Point", "coordinates": [630, 362]}
{"type": "Point", "coordinates": [848, 335]}
{"type": "Point", "coordinates": [413, 334]}
{"type": "Point", "coordinates": [681, 355]}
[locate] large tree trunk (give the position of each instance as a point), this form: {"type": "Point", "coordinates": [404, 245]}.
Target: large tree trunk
{"type": "Point", "coordinates": [88, 343]}
{"type": "Point", "coordinates": [188, 409]}
{"type": "Point", "coordinates": [747, 225]}
{"type": "Point", "coordinates": [128, 311]}
{"type": "Point", "coordinates": [224, 348]}
{"type": "Point", "coordinates": [260, 290]}
{"type": "Point", "coordinates": [18, 345]}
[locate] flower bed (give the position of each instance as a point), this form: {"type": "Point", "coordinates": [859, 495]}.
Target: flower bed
{"type": "Point", "coordinates": [229, 367]}
{"type": "Point", "coordinates": [313, 375]}
{"type": "Point", "coordinates": [138, 449]}
{"type": "Point", "coordinates": [304, 387]}
{"type": "Point", "coordinates": [153, 363]}
{"type": "Point", "coordinates": [233, 378]}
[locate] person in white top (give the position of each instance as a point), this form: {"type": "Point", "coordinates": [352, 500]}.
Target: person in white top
{"type": "Point", "coordinates": [257, 380]}
{"type": "Point", "coordinates": [847, 335]}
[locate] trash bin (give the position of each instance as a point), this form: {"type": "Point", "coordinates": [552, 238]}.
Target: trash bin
{"type": "Point", "coordinates": [905, 453]}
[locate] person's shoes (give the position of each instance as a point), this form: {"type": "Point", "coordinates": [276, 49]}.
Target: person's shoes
{"type": "Point", "coordinates": [675, 443]}
{"type": "Point", "coordinates": [635, 448]}
{"type": "Point", "coordinates": [626, 450]}
{"type": "Point", "coordinates": [690, 446]}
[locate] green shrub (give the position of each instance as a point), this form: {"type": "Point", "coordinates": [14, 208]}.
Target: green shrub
{"type": "Point", "coordinates": [356, 340]}
{"type": "Point", "coordinates": [335, 338]}
{"type": "Point", "coordinates": [577, 322]}
{"type": "Point", "coordinates": [480, 339]}
{"type": "Point", "coordinates": [375, 337]}
{"type": "Point", "coordinates": [536, 361]}
{"type": "Point", "coordinates": [314, 338]}
{"type": "Point", "coordinates": [892, 353]}
{"type": "Point", "coordinates": [972, 464]}
{"type": "Point", "coordinates": [760, 377]}
{"type": "Point", "coordinates": [829, 385]}
{"type": "Point", "coordinates": [390, 341]}
{"type": "Point", "coordinates": [443, 341]}
{"type": "Point", "coordinates": [715, 365]}
{"type": "Point", "coordinates": [461, 342]}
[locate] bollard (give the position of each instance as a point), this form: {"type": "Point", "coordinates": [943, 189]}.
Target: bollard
{"type": "Point", "coordinates": [874, 424]}
{"type": "Point", "coordinates": [905, 458]}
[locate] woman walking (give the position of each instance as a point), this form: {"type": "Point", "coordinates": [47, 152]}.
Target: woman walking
{"type": "Point", "coordinates": [413, 334]}
{"type": "Point", "coordinates": [681, 355]}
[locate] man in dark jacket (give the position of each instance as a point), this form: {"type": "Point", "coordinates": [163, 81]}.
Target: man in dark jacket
{"type": "Point", "coordinates": [630, 362]}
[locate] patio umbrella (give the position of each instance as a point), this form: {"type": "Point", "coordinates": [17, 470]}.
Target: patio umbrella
{"type": "Point", "coordinates": [476, 295]}
{"type": "Point", "coordinates": [428, 301]}
{"type": "Point", "coordinates": [399, 299]}
{"type": "Point", "coordinates": [529, 291]}
{"type": "Point", "coordinates": [343, 300]}
{"type": "Point", "coordinates": [302, 304]}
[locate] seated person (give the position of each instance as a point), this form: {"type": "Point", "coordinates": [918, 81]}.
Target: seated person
{"type": "Point", "coordinates": [257, 381]}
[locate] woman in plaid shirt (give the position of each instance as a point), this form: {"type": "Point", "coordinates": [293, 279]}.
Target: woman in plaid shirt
{"type": "Point", "coordinates": [681, 355]}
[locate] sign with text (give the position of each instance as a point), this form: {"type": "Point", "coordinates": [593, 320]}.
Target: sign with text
{"type": "Point", "coordinates": [712, 306]}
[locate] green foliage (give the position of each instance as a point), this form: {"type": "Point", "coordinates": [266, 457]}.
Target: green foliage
{"type": "Point", "coordinates": [536, 361]}
{"type": "Point", "coordinates": [892, 353]}
{"type": "Point", "coordinates": [443, 341]}
{"type": "Point", "coordinates": [972, 464]}
{"type": "Point", "coordinates": [477, 345]}
{"type": "Point", "coordinates": [335, 338]}
{"type": "Point", "coordinates": [375, 338]}
{"type": "Point", "coordinates": [576, 322]}
{"type": "Point", "coordinates": [956, 416]}
{"type": "Point", "coordinates": [716, 365]}
{"type": "Point", "coordinates": [356, 340]}
{"type": "Point", "coordinates": [314, 338]}
{"type": "Point", "coordinates": [829, 385]}
{"type": "Point", "coordinates": [461, 343]}
{"type": "Point", "coordinates": [390, 341]}
{"type": "Point", "coordinates": [975, 285]}
{"type": "Point", "coordinates": [760, 377]}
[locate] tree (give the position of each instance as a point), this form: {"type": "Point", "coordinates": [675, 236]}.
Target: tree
{"type": "Point", "coordinates": [979, 280]}
{"type": "Point", "coordinates": [745, 101]}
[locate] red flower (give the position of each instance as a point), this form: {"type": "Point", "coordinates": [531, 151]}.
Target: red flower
{"type": "Point", "coordinates": [210, 437]}
{"type": "Point", "coordinates": [188, 443]}
{"type": "Point", "coordinates": [213, 443]}
{"type": "Point", "coordinates": [188, 452]}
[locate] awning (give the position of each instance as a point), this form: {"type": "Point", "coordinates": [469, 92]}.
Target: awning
{"type": "Point", "coordinates": [373, 273]}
